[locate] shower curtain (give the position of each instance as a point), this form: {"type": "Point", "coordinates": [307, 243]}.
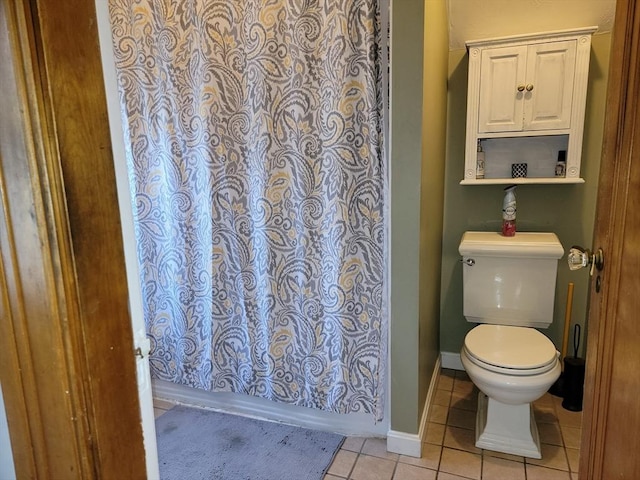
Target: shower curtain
{"type": "Point", "coordinates": [255, 152]}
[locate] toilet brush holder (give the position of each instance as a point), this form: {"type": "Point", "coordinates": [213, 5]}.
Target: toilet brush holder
{"type": "Point", "coordinates": [573, 390]}
{"type": "Point", "coordinates": [574, 376]}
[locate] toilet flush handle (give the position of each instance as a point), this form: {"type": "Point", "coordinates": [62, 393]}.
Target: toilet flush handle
{"type": "Point", "coordinates": [468, 261]}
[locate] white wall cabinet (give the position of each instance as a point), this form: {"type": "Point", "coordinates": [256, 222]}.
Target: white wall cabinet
{"type": "Point", "coordinates": [526, 103]}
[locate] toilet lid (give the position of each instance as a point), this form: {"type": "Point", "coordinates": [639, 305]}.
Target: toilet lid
{"type": "Point", "coordinates": [508, 347]}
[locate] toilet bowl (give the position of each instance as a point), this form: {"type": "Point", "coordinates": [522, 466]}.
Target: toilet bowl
{"type": "Point", "coordinates": [512, 367]}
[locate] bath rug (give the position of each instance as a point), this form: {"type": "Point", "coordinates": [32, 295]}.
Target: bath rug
{"type": "Point", "coordinates": [199, 444]}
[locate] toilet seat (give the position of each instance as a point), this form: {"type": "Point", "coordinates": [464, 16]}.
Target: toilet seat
{"type": "Point", "coordinates": [510, 350]}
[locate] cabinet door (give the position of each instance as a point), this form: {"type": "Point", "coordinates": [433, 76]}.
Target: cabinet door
{"type": "Point", "coordinates": [502, 71]}
{"type": "Point", "coordinates": [550, 71]}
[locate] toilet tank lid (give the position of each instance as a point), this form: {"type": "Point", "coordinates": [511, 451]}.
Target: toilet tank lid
{"type": "Point", "coordinates": [525, 244]}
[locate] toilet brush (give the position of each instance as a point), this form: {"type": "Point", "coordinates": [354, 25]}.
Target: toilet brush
{"type": "Point", "coordinates": [557, 389]}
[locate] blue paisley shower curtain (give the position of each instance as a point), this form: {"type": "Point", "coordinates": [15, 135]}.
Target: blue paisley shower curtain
{"type": "Point", "coordinates": [254, 132]}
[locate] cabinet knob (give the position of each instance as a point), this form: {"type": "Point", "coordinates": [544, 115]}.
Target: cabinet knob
{"type": "Point", "coordinates": [520, 88]}
{"type": "Point", "coordinates": [529, 87]}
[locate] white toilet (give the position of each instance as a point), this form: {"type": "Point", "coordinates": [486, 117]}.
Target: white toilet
{"type": "Point", "coordinates": [509, 287]}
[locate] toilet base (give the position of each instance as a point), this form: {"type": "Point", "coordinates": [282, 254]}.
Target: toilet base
{"type": "Point", "coordinates": [506, 428]}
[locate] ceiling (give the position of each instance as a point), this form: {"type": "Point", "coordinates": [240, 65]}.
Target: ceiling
{"type": "Point", "coordinates": [480, 19]}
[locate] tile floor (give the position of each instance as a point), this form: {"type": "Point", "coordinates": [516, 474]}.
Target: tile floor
{"type": "Point", "coordinates": [449, 452]}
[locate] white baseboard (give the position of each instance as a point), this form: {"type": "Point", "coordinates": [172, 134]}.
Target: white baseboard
{"type": "Point", "coordinates": [404, 443]}
{"type": "Point", "coordinates": [451, 360]}
{"type": "Point", "coordinates": [356, 424]}
{"type": "Point", "coordinates": [410, 443]}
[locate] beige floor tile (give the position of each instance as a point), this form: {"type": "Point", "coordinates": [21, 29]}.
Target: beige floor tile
{"type": "Point", "coordinates": [430, 457]}
{"type": "Point", "coordinates": [438, 414]}
{"type": "Point", "coordinates": [552, 457]}
{"type": "Point", "coordinates": [353, 444]}
{"type": "Point", "coordinates": [158, 411]}
{"type": "Point", "coordinates": [411, 472]}
{"type": "Point", "coordinates": [504, 456]}
{"type": "Point", "coordinates": [372, 468]}
{"type": "Point", "coordinates": [571, 436]}
{"type": "Point", "coordinates": [557, 401]}
{"type": "Point", "coordinates": [463, 386]}
{"type": "Point", "coordinates": [461, 439]}
{"type": "Point", "coordinates": [545, 414]}
{"type": "Point", "coordinates": [442, 397]}
{"type": "Point", "coordinates": [445, 382]}
{"type": "Point", "coordinates": [377, 447]}
{"type": "Point", "coordinates": [461, 463]}
{"type": "Point", "coordinates": [567, 418]}
{"type": "Point", "coordinates": [465, 401]}
{"type": "Point", "coordinates": [343, 463]}
{"type": "Point", "coordinates": [449, 476]}
{"type": "Point", "coordinates": [434, 433]}
{"type": "Point", "coordinates": [550, 433]}
{"type": "Point", "coordinates": [540, 473]}
{"type": "Point", "coordinates": [500, 469]}
{"type": "Point", "coordinates": [573, 456]}
{"type": "Point", "coordinates": [332, 477]}
{"type": "Point", "coordinates": [462, 418]}
{"type": "Point", "coordinates": [462, 375]}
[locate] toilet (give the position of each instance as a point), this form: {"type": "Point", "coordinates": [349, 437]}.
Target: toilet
{"type": "Point", "coordinates": [509, 290]}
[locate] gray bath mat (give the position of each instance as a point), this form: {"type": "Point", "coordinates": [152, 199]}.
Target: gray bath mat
{"type": "Point", "coordinates": [200, 444]}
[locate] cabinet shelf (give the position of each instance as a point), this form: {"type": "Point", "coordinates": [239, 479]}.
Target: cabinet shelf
{"type": "Point", "coordinates": [523, 134]}
{"type": "Point", "coordinates": [521, 181]}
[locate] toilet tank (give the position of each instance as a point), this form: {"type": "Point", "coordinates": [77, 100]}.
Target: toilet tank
{"type": "Point", "coordinates": [510, 280]}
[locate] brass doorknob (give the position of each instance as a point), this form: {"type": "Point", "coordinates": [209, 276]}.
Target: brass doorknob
{"type": "Point", "coordinates": [521, 88]}
{"type": "Point", "coordinates": [529, 87]}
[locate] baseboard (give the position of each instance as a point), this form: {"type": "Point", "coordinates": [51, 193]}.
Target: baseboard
{"type": "Point", "coordinates": [356, 424]}
{"type": "Point", "coordinates": [451, 360]}
{"type": "Point", "coordinates": [404, 443]}
{"type": "Point", "coordinates": [410, 444]}
{"type": "Point", "coordinates": [431, 393]}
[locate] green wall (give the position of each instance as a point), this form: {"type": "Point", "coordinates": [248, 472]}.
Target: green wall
{"type": "Point", "coordinates": [434, 135]}
{"type": "Point", "coordinates": [567, 210]}
{"type": "Point", "coordinates": [417, 184]}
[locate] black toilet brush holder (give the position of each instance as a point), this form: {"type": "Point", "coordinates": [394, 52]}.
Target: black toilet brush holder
{"type": "Point", "coordinates": [573, 383]}
{"type": "Point", "coordinates": [574, 367]}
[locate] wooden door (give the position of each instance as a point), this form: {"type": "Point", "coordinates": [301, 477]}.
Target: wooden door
{"type": "Point", "coordinates": [66, 350]}
{"type": "Point", "coordinates": [611, 422]}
